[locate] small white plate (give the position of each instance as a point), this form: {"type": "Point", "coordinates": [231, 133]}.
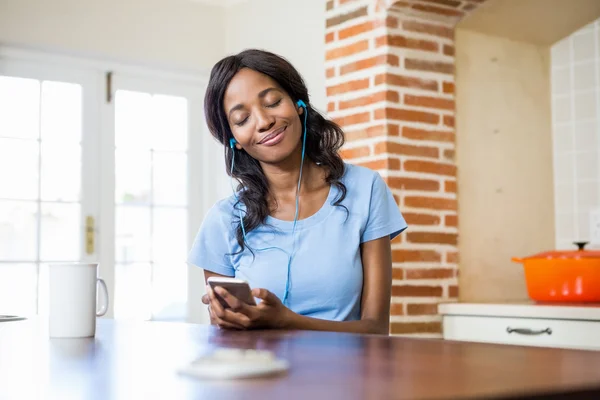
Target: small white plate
{"type": "Point", "coordinates": [8, 318]}
{"type": "Point", "coordinates": [235, 364]}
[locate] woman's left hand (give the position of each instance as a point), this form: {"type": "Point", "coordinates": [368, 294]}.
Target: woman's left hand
{"type": "Point", "coordinates": [269, 313]}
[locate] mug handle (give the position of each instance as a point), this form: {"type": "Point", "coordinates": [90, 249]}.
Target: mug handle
{"type": "Point", "coordinates": [104, 307]}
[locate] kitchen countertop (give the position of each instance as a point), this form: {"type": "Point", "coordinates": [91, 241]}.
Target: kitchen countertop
{"type": "Point", "coordinates": [524, 309]}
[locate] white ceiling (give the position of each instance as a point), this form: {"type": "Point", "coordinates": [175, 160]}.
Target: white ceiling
{"type": "Point", "coordinates": [222, 3]}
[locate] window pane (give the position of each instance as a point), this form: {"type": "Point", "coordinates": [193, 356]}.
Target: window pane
{"type": "Point", "coordinates": [61, 233]}
{"type": "Point", "coordinates": [170, 123]}
{"type": "Point", "coordinates": [19, 169]}
{"type": "Point", "coordinates": [133, 125]}
{"type": "Point", "coordinates": [18, 230]}
{"type": "Point", "coordinates": [61, 171]}
{"type": "Point", "coordinates": [169, 233]}
{"type": "Point", "coordinates": [132, 234]}
{"type": "Point", "coordinates": [133, 291]}
{"type": "Point", "coordinates": [18, 289]}
{"type": "Point", "coordinates": [169, 291]}
{"type": "Point", "coordinates": [132, 177]}
{"type": "Point", "coordinates": [19, 107]}
{"type": "Point", "coordinates": [61, 112]}
{"type": "Point", "coordinates": [170, 178]}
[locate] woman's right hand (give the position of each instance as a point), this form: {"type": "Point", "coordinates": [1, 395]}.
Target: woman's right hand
{"type": "Point", "coordinates": [213, 304]}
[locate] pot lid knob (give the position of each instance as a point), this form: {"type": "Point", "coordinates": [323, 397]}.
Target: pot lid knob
{"type": "Point", "coordinates": [580, 245]}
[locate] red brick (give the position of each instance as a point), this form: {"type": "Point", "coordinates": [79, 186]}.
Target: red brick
{"type": "Point", "coordinates": [384, 164]}
{"type": "Point", "coordinates": [405, 328]}
{"type": "Point", "coordinates": [407, 115]}
{"type": "Point", "coordinates": [404, 255]}
{"type": "Point", "coordinates": [330, 106]}
{"type": "Point", "coordinates": [429, 167]}
{"type": "Point", "coordinates": [406, 43]}
{"type": "Point", "coordinates": [383, 59]}
{"type": "Point", "coordinates": [397, 273]}
{"type": "Point", "coordinates": [449, 50]}
{"type": "Point", "coordinates": [416, 291]}
{"type": "Point", "coordinates": [449, 154]}
{"type": "Point", "coordinates": [432, 237]}
{"type": "Point", "coordinates": [429, 273]}
{"type": "Point", "coordinates": [431, 29]}
{"type": "Point", "coordinates": [340, 19]}
{"type": "Point", "coordinates": [406, 149]}
{"type": "Point", "coordinates": [428, 102]}
{"type": "Point", "coordinates": [406, 81]}
{"type": "Point", "coordinates": [451, 220]}
{"type": "Point", "coordinates": [355, 152]}
{"type": "Point", "coordinates": [404, 183]}
{"type": "Point", "coordinates": [449, 3]}
{"type": "Point", "coordinates": [452, 257]}
{"type": "Point", "coordinates": [453, 291]}
{"type": "Point", "coordinates": [448, 87]}
{"type": "Point", "coordinates": [449, 121]}
{"type": "Point", "coordinates": [347, 50]}
{"type": "Point", "coordinates": [469, 7]}
{"type": "Point", "coordinates": [396, 309]}
{"type": "Point", "coordinates": [329, 5]}
{"type": "Point", "coordinates": [391, 22]}
{"type": "Point", "coordinates": [353, 119]}
{"type": "Point", "coordinates": [450, 186]}
{"type": "Point", "coordinates": [330, 72]}
{"type": "Point", "coordinates": [430, 203]}
{"type": "Point", "coordinates": [437, 10]}
{"type": "Point", "coordinates": [349, 86]}
{"type": "Point", "coordinates": [422, 309]}
{"type": "Point", "coordinates": [355, 30]}
{"type": "Point", "coordinates": [430, 66]}
{"type": "Point", "coordinates": [421, 219]}
{"type": "Point", "coordinates": [421, 134]}
{"type": "Point", "coordinates": [329, 37]}
{"type": "Point", "coordinates": [388, 95]}
{"type": "Point", "coordinates": [373, 131]}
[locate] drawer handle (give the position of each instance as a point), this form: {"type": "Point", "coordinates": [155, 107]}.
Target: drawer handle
{"type": "Point", "coordinates": [527, 331]}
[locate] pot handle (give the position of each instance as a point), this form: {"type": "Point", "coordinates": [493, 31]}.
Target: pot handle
{"type": "Point", "coordinates": [517, 260]}
{"type": "Point", "coordinates": [580, 245]}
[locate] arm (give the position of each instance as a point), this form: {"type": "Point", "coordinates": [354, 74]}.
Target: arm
{"type": "Point", "coordinates": [377, 271]}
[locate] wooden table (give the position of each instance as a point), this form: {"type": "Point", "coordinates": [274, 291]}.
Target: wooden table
{"type": "Point", "coordinates": [139, 360]}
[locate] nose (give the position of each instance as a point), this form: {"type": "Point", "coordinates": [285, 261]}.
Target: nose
{"type": "Point", "coordinates": [264, 121]}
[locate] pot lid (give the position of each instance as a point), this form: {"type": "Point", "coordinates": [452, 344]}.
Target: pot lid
{"type": "Point", "coordinates": [568, 254]}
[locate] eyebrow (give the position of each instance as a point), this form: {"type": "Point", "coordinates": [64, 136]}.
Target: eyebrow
{"type": "Point", "coordinates": [262, 94]}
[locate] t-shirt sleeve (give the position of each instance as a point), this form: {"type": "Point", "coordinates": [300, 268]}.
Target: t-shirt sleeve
{"type": "Point", "coordinates": [384, 217]}
{"type": "Point", "coordinates": [212, 246]}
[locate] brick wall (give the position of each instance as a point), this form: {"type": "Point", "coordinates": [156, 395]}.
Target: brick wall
{"type": "Point", "coordinates": [390, 83]}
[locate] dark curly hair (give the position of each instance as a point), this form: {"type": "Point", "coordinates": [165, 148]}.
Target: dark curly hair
{"type": "Point", "coordinates": [323, 137]}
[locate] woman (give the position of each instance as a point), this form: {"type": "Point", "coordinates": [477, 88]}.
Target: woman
{"type": "Point", "coordinates": [310, 233]}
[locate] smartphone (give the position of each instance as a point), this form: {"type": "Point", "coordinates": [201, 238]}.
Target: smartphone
{"type": "Point", "coordinates": [237, 287]}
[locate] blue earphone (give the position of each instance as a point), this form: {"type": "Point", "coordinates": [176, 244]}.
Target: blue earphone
{"type": "Point", "coordinates": [232, 143]}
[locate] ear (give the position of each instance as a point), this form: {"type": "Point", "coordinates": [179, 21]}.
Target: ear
{"type": "Point", "coordinates": [300, 110]}
{"type": "Point", "coordinates": [237, 146]}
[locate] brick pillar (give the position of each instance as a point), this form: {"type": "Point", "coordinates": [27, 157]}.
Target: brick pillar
{"type": "Point", "coordinates": [390, 83]}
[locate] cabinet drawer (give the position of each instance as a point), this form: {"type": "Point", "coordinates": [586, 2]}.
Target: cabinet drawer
{"type": "Point", "coordinates": [523, 331]}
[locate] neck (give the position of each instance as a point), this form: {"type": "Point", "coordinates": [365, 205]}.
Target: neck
{"type": "Point", "coordinates": [283, 177]}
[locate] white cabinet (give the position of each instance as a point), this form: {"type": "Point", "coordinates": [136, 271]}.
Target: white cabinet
{"type": "Point", "coordinates": [529, 324]}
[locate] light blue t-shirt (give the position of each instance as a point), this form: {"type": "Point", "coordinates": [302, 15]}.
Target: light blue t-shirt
{"type": "Point", "coordinates": [326, 275]}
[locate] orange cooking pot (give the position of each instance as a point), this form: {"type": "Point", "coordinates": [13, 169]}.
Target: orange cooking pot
{"type": "Point", "coordinates": [563, 276]}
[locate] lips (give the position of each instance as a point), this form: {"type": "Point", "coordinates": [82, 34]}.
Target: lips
{"type": "Point", "coordinates": [273, 137]}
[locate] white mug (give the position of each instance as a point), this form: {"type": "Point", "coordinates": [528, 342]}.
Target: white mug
{"type": "Point", "coordinates": [73, 309]}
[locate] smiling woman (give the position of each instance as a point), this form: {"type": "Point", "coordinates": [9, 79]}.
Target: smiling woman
{"type": "Point", "coordinates": [310, 233]}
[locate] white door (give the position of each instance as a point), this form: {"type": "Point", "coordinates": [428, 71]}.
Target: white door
{"type": "Point", "coordinates": [48, 131]}
{"type": "Point", "coordinates": [93, 169]}
{"type": "Point", "coordinates": [149, 196]}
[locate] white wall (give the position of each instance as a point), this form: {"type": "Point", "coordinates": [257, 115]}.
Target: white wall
{"type": "Point", "coordinates": [163, 33]}
{"type": "Point", "coordinates": [291, 28]}
{"type": "Point", "coordinates": [576, 132]}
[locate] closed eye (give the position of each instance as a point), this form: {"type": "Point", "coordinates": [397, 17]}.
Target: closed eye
{"type": "Point", "coordinates": [242, 122]}
{"type": "Point", "coordinates": [274, 104]}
